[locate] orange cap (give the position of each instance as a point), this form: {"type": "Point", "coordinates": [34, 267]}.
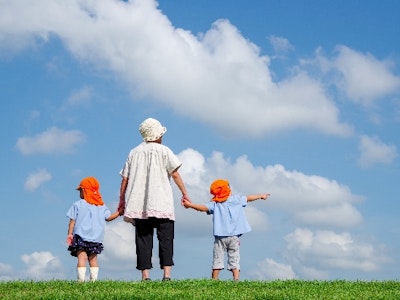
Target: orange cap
{"type": "Point", "coordinates": [91, 193]}
{"type": "Point", "coordinates": [220, 189]}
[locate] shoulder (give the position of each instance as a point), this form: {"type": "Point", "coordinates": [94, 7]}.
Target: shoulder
{"type": "Point", "coordinates": [162, 147]}
{"type": "Point", "coordinates": [79, 202]}
{"type": "Point", "coordinates": [237, 198]}
{"type": "Point", "coordinates": [137, 148]}
{"type": "Point", "coordinates": [77, 205]}
{"type": "Point", "coordinates": [210, 204]}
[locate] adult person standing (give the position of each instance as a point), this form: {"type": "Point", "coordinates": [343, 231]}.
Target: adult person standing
{"type": "Point", "coordinates": [146, 196]}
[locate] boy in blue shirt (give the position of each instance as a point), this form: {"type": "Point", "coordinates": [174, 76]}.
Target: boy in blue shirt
{"type": "Point", "coordinates": [229, 223]}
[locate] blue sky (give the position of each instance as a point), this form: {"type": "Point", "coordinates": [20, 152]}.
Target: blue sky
{"type": "Point", "coordinates": [300, 99]}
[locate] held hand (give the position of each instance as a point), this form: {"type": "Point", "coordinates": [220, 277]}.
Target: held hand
{"type": "Point", "coordinates": [185, 198]}
{"type": "Point", "coordinates": [121, 211]}
{"type": "Point", "coordinates": [186, 203]}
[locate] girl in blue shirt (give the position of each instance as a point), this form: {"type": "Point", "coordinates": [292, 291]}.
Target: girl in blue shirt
{"type": "Point", "coordinates": [86, 227]}
{"type": "Point", "coordinates": [229, 223]}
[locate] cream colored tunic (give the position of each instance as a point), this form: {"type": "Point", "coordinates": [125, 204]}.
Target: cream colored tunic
{"type": "Point", "coordinates": [149, 191]}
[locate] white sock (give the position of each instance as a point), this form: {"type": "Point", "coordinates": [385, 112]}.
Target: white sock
{"type": "Point", "coordinates": [81, 273]}
{"type": "Point", "coordinates": [94, 272]}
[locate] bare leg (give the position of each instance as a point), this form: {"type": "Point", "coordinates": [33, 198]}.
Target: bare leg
{"type": "Point", "coordinates": [81, 267]}
{"type": "Point", "coordinates": [93, 260]}
{"type": "Point", "coordinates": [235, 273]}
{"type": "Point", "coordinates": [215, 273]}
{"type": "Point", "coordinates": [167, 271]}
{"type": "Point", "coordinates": [94, 267]}
{"type": "Point", "coordinates": [145, 274]}
{"type": "Point", "coordinates": [82, 258]}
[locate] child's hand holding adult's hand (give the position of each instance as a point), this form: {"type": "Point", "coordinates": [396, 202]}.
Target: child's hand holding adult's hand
{"type": "Point", "coordinates": [185, 198]}
{"type": "Point", "coordinates": [186, 203]}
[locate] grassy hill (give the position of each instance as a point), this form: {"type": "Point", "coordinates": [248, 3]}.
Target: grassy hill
{"type": "Point", "coordinates": [201, 289]}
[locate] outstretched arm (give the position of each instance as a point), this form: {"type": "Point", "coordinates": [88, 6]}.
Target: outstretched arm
{"type": "Point", "coordinates": [257, 196]}
{"type": "Point", "coordinates": [198, 207]}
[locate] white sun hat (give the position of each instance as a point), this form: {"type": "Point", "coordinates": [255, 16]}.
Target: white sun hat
{"type": "Point", "coordinates": [151, 130]}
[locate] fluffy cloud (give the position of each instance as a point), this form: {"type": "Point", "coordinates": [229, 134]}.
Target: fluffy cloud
{"type": "Point", "coordinates": [323, 250]}
{"type": "Point", "coordinates": [42, 265]}
{"type": "Point", "coordinates": [280, 44]}
{"type": "Point", "coordinates": [81, 97]}
{"type": "Point", "coordinates": [5, 272]}
{"type": "Point", "coordinates": [121, 233]}
{"type": "Point", "coordinates": [269, 269]}
{"type": "Point", "coordinates": [309, 199]}
{"type": "Point", "coordinates": [53, 140]}
{"type": "Point", "coordinates": [218, 70]}
{"type": "Point", "coordinates": [374, 151]}
{"type": "Point", "coordinates": [364, 78]}
{"type": "Point", "coordinates": [36, 179]}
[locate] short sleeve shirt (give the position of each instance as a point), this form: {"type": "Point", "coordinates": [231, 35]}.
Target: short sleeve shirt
{"type": "Point", "coordinates": [149, 192]}
{"type": "Point", "coordinates": [229, 218]}
{"type": "Point", "coordinates": [89, 220]}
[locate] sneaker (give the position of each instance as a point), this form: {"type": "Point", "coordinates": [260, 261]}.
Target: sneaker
{"type": "Point", "coordinates": [146, 279]}
{"type": "Point", "coordinates": [166, 279]}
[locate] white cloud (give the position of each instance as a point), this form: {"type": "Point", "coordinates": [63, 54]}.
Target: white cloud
{"type": "Point", "coordinates": [81, 97]}
{"type": "Point", "coordinates": [309, 199]}
{"type": "Point", "coordinates": [218, 70]}
{"type": "Point", "coordinates": [122, 234]}
{"type": "Point", "coordinates": [53, 140]}
{"type": "Point", "coordinates": [42, 265]}
{"type": "Point", "coordinates": [269, 269]}
{"type": "Point", "coordinates": [280, 44]}
{"type": "Point", "coordinates": [365, 78]}
{"type": "Point", "coordinates": [36, 179]}
{"type": "Point", "coordinates": [374, 151]}
{"type": "Point", "coordinates": [6, 272]}
{"type": "Point", "coordinates": [321, 251]}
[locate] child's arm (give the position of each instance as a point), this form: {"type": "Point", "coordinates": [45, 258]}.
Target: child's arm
{"type": "Point", "coordinates": [113, 216]}
{"type": "Point", "coordinates": [257, 196]}
{"type": "Point", "coordinates": [198, 207]}
{"type": "Point", "coordinates": [70, 234]}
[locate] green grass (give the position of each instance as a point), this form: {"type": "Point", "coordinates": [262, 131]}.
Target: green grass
{"type": "Point", "coordinates": [201, 289]}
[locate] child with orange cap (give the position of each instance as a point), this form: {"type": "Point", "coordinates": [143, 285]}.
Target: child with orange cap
{"type": "Point", "coordinates": [229, 223]}
{"type": "Point", "coordinates": [86, 227]}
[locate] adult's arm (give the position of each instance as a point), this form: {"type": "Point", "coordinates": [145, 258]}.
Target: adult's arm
{"type": "Point", "coordinates": [122, 190]}
{"type": "Point", "coordinates": [180, 184]}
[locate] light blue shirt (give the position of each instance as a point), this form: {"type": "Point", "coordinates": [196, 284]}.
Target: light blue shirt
{"type": "Point", "coordinates": [89, 219]}
{"type": "Point", "coordinates": [229, 218]}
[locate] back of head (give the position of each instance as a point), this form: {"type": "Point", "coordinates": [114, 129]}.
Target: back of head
{"type": "Point", "coordinates": [220, 189]}
{"type": "Point", "coordinates": [151, 130]}
{"type": "Point", "coordinates": [91, 193]}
